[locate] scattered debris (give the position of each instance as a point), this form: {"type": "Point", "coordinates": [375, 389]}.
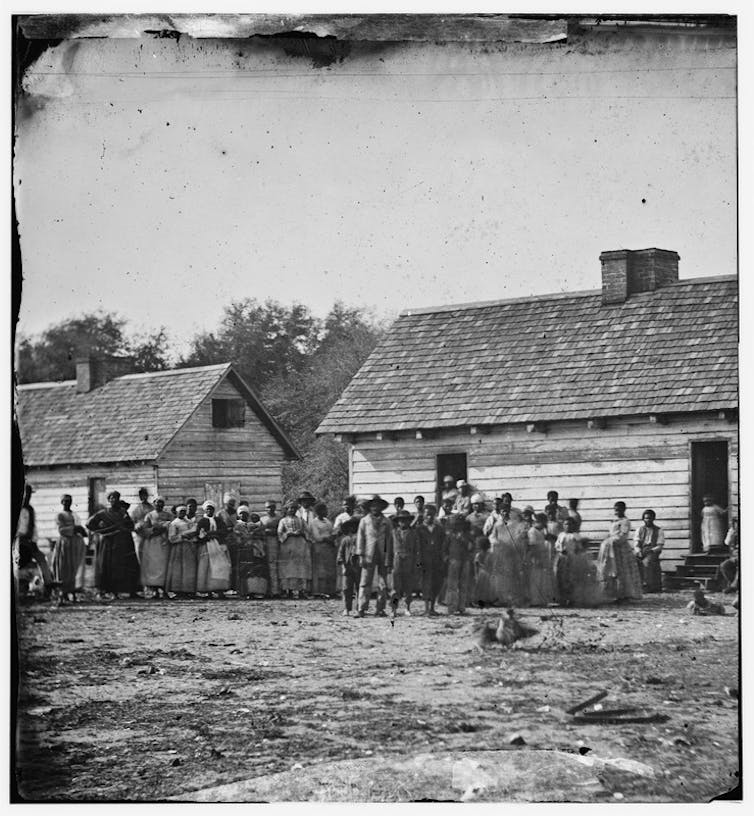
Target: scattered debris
{"type": "Point", "coordinates": [731, 692]}
{"type": "Point", "coordinates": [516, 739]}
{"type": "Point", "coordinates": [595, 698]}
{"type": "Point", "coordinates": [234, 616]}
{"type": "Point", "coordinates": [176, 762]}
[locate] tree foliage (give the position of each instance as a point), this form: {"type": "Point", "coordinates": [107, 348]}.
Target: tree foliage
{"type": "Point", "coordinates": [52, 355]}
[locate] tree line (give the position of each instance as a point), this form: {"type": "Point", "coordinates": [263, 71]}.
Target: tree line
{"type": "Point", "coordinates": [299, 364]}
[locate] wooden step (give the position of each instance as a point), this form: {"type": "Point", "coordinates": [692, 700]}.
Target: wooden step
{"type": "Point", "coordinates": [697, 570]}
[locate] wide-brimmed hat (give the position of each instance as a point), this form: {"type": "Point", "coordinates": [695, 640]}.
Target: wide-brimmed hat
{"type": "Point", "coordinates": [306, 496]}
{"type": "Point", "coordinates": [378, 500]}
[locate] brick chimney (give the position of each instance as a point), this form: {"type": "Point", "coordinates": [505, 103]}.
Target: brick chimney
{"type": "Point", "coordinates": [630, 271]}
{"type": "Point", "coordinates": [93, 372]}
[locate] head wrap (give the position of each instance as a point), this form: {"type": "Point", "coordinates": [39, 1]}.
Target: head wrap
{"type": "Point", "coordinates": [243, 508]}
{"type": "Point", "coordinates": [477, 499]}
{"type": "Point", "coordinates": [207, 504]}
{"type": "Point", "coordinates": [179, 508]}
{"type": "Point", "coordinates": [159, 498]}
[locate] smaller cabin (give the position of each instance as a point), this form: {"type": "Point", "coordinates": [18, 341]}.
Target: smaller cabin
{"type": "Point", "coordinates": [190, 432]}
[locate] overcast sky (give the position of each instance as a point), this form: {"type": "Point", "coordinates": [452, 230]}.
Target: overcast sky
{"type": "Point", "coordinates": [162, 180]}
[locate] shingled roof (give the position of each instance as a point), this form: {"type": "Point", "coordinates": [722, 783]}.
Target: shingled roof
{"type": "Point", "coordinates": [130, 418]}
{"type": "Point", "coordinates": [550, 357]}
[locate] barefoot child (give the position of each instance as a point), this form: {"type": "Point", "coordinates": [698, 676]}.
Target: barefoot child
{"type": "Point", "coordinates": [405, 558]}
{"type": "Point", "coordinates": [348, 561]}
{"type": "Point", "coordinates": [431, 559]}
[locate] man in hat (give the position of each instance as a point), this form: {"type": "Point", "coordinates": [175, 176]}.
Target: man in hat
{"type": "Point", "coordinates": [305, 512]}
{"type": "Point", "coordinates": [270, 521]}
{"type": "Point", "coordinates": [449, 490]}
{"type": "Point", "coordinates": [374, 546]}
{"type": "Point", "coordinates": [138, 513]}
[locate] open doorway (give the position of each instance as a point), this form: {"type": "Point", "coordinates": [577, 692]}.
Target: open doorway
{"type": "Point", "coordinates": [449, 464]}
{"type": "Point", "coordinates": [709, 475]}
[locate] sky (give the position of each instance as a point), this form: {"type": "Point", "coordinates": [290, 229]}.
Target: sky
{"type": "Point", "coordinates": [162, 179]}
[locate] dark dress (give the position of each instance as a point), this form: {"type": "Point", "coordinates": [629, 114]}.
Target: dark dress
{"type": "Point", "coordinates": [117, 566]}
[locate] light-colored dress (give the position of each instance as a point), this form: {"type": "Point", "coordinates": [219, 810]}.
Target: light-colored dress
{"type": "Point", "coordinates": [138, 515]}
{"type": "Point", "coordinates": [294, 557]}
{"type": "Point", "coordinates": [617, 569]}
{"type": "Point", "coordinates": [156, 551]}
{"type": "Point", "coordinates": [509, 540]}
{"type": "Point", "coordinates": [324, 553]}
{"type": "Point", "coordinates": [575, 572]}
{"type": "Point", "coordinates": [540, 575]}
{"type": "Point", "coordinates": [70, 551]}
{"type": "Point", "coordinates": [713, 527]}
{"type": "Point", "coordinates": [213, 564]}
{"type": "Point", "coordinates": [182, 561]}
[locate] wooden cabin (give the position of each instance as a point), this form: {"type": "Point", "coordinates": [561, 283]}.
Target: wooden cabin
{"type": "Point", "coordinates": [187, 432]}
{"type": "Point", "coordinates": [629, 392]}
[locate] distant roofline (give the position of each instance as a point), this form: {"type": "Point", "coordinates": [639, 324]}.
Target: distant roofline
{"type": "Point", "coordinates": [140, 376]}
{"type": "Point", "coordinates": [483, 304]}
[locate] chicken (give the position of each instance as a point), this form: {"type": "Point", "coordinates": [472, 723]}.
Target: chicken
{"type": "Point", "coordinates": [506, 631]}
{"type": "Point", "coordinates": [701, 606]}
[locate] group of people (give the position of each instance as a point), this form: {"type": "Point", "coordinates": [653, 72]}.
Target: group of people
{"type": "Point", "coordinates": [458, 555]}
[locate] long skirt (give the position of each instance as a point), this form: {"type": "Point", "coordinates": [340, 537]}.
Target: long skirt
{"type": "Point", "coordinates": [206, 580]}
{"type": "Point", "coordinates": [541, 578]}
{"type": "Point", "coordinates": [273, 549]}
{"type": "Point", "coordinates": [482, 591]}
{"type": "Point", "coordinates": [154, 561]}
{"type": "Point", "coordinates": [651, 572]}
{"type": "Point", "coordinates": [713, 532]}
{"type": "Point", "coordinates": [66, 561]}
{"type": "Point", "coordinates": [252, 569]}
{"type": "Point", "coordinates": [506, 577]}
{"type": "Point", "coordinates": [585, 588]}
{"type": "Point", "coordinates": [404, 576]}
{"type": "Point", "coordinates": [562, 577]}
{"type": "Point", "coordinates": [618, 572]}
{"type": "Point", "coordinates": [295, 564]}
{"type": "Point", "coordinates": [117, 567]}
{"type": "Point", "coordinates": [324, 577]}
{"type": "Point", "coordinates": [181, 575]}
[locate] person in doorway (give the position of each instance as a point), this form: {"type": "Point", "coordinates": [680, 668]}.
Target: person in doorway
{"type": "Point", "coordinates": [117, 565]}
{"type": "Point", "coordinates": [713, 525]}
{"type": "Point", "coordinates": [462, 503]}
{"type": "Point", "coordinates": [374, 546]}
{"type": "Point", "coordinates": [648, 543]}
{"type": "Point", "coordinates": [70, 551]}
{"type": "Point", "coordinates": [138, 514]}
{"type": "Point", "coordinates": [449, 490]}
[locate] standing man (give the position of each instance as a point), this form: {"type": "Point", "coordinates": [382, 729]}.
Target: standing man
{"type": "Point", "coordinates": [270, 520]}
{"type": "Point", "coordinates": [138, 514]}
{"type": "Point", "coordinates": [374, 546]}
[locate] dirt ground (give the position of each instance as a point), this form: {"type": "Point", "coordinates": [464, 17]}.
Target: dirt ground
{"type": "Point", "coordinates": [288, 701]}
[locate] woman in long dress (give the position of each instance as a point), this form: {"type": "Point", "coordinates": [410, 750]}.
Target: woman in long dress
{"type": "Point", "coordinates": [156, 550]}
{"type": "Point", "coordinates": [70, 550]}
{"type": "Point", "coordinates": [117, 566]}
{"type": "Point", "coordinates": [713, 525]}
{"type": "Point", "coordinates": [213, 565]}
{"type": "Point", "coordinates": [540, 574]}
{"type": "Point", "coordinates": [181, 575]}
{"type": "Point", "coordinates": [616, 564]}
{"type": "Point", "coordinates": [294, 556]}
{"type": "Point", "coordinates": [648, 543]}
{"type": "Point", "coordinates": [323, 552]}
{"type": "Point", "coordinates": [575, 572]}
{"type": "Point", "coordinates": [508, 539]}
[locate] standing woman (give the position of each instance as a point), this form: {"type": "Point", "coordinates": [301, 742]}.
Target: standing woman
{"type": "Point", "coordinates": [270, 521]}
{"type": "Point", "coordinates": [323, 552]}
{"type": "Point", "coordinates": [648, 543]}
{"type": "Point", "coordinates": [213, 561]}
{"type": "Point", "coordinates": [575, 572]}
{"type": "Point", "coordinates": [117, 566]}
{"type": "Point", "coordinates": [181, 575]}
{"type": "Point", "coordinates": [155, 550]}
{"type": "Point", "coordinates": [540, 560]}
{"type": "Point", "coordinates": [508, 538]}
{"type": "Point", "coordinates": [616, 563]}
{"type": "Point", "coordinates": [71, 549]}
{"type": "Point", "coordinates": [294, 559]}
{"type": "Point", "coordinates": [713, 525]}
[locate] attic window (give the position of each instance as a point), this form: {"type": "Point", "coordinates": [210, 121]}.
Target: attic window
{"type": "Point", "coordinates": [228, 413]}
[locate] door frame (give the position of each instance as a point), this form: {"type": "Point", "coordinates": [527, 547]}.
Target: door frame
{"type": "Point", "coordinates": [691, 443]}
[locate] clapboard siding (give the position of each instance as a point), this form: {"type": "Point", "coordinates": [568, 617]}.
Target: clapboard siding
{"type": "Point", "coordinates": [247, 460]}
{"type": "Point", "coordinates": [50, 484]}
{"type": "Point", "coordinates": [643, 463]}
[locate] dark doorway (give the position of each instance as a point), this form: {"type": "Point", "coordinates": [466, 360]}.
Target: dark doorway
{"type": "Point", "coordinates": [709, 475]}
{"type": "Point", "coordinates": [449, 464]}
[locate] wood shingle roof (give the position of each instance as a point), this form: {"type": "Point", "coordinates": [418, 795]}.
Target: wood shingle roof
{"type": "Point", "coordinates": [552, 357]}
{"type": "Point", "coordinates": [130, 418]}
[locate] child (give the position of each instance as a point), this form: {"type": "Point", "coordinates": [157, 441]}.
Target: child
{"type": "Point", "coordinates": [446, 511]}
{"type": "Point", "coordinates": [405, 558]}
{"type": "Point", "coordinates": [713, 521]}
{"type": "Point", "coordinates": [349, 562]}
{"type": "Point", "coordinates": [459, 565]}
{"type": "Point", "coordinates": [541, 590]}
{"type": "Point", "coordinates": [431, 559]}
{"type": "Point", "coordinates": [482, 594]}
{"type": "Point", "coordinates": [419, 514]}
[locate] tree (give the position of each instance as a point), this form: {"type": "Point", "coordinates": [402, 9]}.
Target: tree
{"type": "Point", "coordinates": [260, 339]}
{"type": "Point", "coordinates": [52, 355]}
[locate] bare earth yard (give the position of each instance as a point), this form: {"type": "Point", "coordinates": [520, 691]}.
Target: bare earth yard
{"type": "Point", "coordinates": [287, 700]}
